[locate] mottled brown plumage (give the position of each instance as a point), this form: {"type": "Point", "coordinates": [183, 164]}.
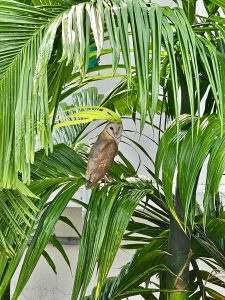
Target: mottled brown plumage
{"type": "Point", "coordinates": [102, 153]}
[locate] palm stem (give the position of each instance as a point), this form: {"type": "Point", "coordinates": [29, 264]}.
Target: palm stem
{"type": "Point", "coordinates": [178, 260]}
{"type": "Point", "coordinates": [6, 295]}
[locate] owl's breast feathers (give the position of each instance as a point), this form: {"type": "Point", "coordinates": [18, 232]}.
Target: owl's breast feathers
{"type": "Point", "coordinates": [101, 157]}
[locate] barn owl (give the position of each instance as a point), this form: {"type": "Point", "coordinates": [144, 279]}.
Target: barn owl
{"type": "Point", "coordinates": [102, 153]}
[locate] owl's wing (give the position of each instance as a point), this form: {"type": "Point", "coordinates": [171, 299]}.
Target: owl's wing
{"type": "Point", "coordinates": [101, 157]}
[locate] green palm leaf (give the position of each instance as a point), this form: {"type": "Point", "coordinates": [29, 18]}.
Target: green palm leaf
{"type": "Point", "coordinates": [192, 153]}
{"type": "Point", "coordinates": [108, 214]}
{"type": "Point", "coordinates": [18, 65]}
{"type": "Point", "coordinates": [144, 264]}
{"type": "Point", "coordinates": [44, 231]}
{"type": "Point", "coordinates": [69, 135]}
{"type": "Point", "coordinates": [17, 213]}
{"type": "Point", "coordinates": [65, 167]}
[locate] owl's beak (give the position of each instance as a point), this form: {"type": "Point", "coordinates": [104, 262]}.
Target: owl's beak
{"type": "Point", "coordinates": [116, 134]}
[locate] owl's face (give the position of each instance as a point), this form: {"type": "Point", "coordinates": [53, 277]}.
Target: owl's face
{"type": "Point", "coordinates": [115, 131]}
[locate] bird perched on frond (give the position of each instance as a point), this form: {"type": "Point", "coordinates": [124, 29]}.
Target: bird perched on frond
{"type": "Point", "coordinates": [102, 153]}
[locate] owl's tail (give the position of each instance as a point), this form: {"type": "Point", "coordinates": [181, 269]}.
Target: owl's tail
{"type": "Point", "coordinates": [90, 185]}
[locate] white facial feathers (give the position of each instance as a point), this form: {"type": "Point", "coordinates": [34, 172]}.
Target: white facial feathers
{"type": "Point", "coordinates": [115, 131]}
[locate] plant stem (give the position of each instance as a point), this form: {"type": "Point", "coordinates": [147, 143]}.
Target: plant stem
{"type": "Point", "coordinates": [6, 295]}
{"type": "Point", "coordinates": [178, 260]}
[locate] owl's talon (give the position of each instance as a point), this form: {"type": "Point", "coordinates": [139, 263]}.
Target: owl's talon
{"type": "Point", "coordinates": [108, 179]}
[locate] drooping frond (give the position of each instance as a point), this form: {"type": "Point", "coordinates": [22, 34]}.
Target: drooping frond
{"type": "Point", "coordinates": [144, 264]}
{"type": "Point", "coordinates": [17, 210]}
{"type": "Point", "coordinates": [193, 153]}
{"type": "Point", "coordinates": [24, 113]}
{"type": "Point", "coordinates": [20, 218]}
{"type": "Point", "coordinates": [105, 219]}
{"type": "Point", "coordinates": [70, 134]}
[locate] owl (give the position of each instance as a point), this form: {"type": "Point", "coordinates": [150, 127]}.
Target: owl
{"type": "Point", "coordinates": [102, 153]}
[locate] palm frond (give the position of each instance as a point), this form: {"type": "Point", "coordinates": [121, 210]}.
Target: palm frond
{"type": "Point", "coordinates": [24, 113]}
{"type": "Point", "coordinates": [192, 153]}
{"type": "Point", "coordinates": [21, 217]}
{"type": "Point", "coordinates": [104, 220]}
{"type": "Point", "coordinates": [145, 263]}
{"type": "Point", "coordinates": [219, 3]}
{"type": "Point", "coordinates": [70, 134]}
{"type": "Point", "coordinates": [44, 231]}
{"type": "Point", "coordinates": [17, 213]}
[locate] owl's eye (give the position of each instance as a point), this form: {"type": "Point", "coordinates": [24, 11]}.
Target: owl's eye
{"type": "Point", "coordinates": [110, 128]}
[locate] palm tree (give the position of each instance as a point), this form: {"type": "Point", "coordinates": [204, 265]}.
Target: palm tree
{"type": "Point", "coordinates": [46, 55]}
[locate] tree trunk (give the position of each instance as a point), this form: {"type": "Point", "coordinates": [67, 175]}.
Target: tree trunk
{"type": "Point", "coordinates": [179, 257]}
{"type": "Point", "coordinates": [6, 295]}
